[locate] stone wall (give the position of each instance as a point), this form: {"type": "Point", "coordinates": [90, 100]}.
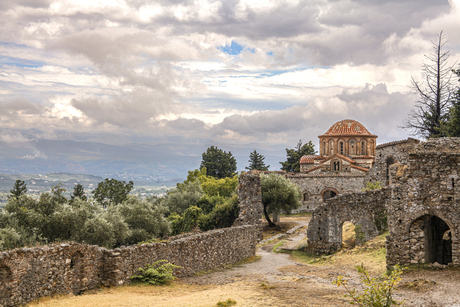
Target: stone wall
{"type": "Point", "coordinates": [316, 185]}
{"type": "Point", "coordinates": [387, 154]}
{"type": "Point", "coordinates": [29, 273]}
{"type": "Point", "coordinates": [325, 228]}
{"type": "Point", "coordinates": [424, 219]}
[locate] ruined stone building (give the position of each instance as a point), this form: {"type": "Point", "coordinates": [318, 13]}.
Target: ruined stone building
{"type": "Point", "coordinates": [421, 203]}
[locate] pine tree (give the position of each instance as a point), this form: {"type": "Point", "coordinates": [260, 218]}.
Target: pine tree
{"type": "Point", "coordinates": [78, 191]}
{"type": "Point", "coordinates": [218, 163]}
{"type": "Point", "coordinates": [256, 161]}
{"type": "Point", "coordinates": [452, 127]}
{"type": "Point", "coordinates": [292, 163]}
{"type": "Point", "coordinates": [19, 189]}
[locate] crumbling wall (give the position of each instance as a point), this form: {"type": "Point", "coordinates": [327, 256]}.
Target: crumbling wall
{"type": "Point", "coordinates": [250, 199]}
{"type": "Point", "coordinates": [315, 185]}
{"type": "Point", "coordinates": [429, 189]}
{"type": "Point", "coordinates": [387, 154]}
{"type": "Point", "coordinates": [325, 227]}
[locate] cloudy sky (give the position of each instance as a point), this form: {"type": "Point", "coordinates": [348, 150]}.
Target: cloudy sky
{"type": "Point", "coordinates": [254, 73]}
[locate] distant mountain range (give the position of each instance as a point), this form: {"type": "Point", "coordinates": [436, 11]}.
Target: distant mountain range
{"type": "Point", "coordinates": [111, 155]}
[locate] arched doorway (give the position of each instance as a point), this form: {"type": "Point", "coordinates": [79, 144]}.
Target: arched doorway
{"type": "Point", "coordinates": [329, 194]}
{"type": "Point", "coordinates": [431, 240]}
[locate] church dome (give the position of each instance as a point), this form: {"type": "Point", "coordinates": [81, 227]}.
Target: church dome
{"type": "Point", "coordinates": [347, 127]}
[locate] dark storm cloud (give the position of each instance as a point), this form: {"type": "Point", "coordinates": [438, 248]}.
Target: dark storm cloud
{"type": "Point", "coordinates": [380, 111]}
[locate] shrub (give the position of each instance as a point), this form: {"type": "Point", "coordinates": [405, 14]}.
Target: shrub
{"type": "Point", "coordinates": [222, 216]}
{"type": "Point", "coordinates": [378, 291]}
{"type": "Point", "coordinates": [228, 302]}
{"type": "Point", "coordinates": [372, 186]}
{"type": "Point", "coordinates": [158, 273]}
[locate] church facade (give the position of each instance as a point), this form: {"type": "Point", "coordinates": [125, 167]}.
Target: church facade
{"type": "Point", "coordinates": [348, 158]}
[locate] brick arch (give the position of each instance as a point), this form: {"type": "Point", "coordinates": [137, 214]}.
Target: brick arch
{"type": "Point", "coordinates": [6, 284]}
{"type": "Point", "coordinates": [327, 189]}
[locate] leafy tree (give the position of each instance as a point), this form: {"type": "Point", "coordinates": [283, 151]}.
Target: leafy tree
{"type": "Point", "coordinates": [18, 189]}
{"type": "Point", "coordinates": [292, 163]}
{"type": "Point", "coordinates": [452, 127]}
{"type": "Point", "coordinates": [435, 93]}
{"type": "Point", "coordinates": [278, 195]}
{"type": "Point", "coordinates": [112, 191]}
{"type": "Point", "coordinates": [218, 163]}
{"type": "Point", "coordinates": [256, 161]}
{"type": "Point", "coordinates": [78, 191]}
{"type": "Point", "coordinates": [184, 196]}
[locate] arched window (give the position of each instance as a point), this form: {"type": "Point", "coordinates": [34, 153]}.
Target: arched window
{"type": "Point", "coordinates": [363, 148]}
{"type": "Point", "coordinates": [335, 165]}
{"type": "Point", "coordinates": [306, 196]}
{"type": "Point", "coordinates": [352, 147]}
{"type": "Point", "coordinates": [341, 149]}
{"type": "Point", "coordinates": [324, 147]}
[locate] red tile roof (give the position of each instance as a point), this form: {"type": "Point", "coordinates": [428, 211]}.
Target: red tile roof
{"type": "Point", "coordinates": [347, 127]}
{"type": "Point", "coordinates": [308, 159]}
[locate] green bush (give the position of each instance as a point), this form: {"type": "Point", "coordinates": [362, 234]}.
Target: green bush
{"type": "Point", "coordinates": [158, 273]}
{"type": "Point", "coordinates": [222, 216]}
{"type": "Point", "coordinates": [227, 303]}
{"type": "Point", "coordinates": [177, 223]}
{"type": "Point", "coordinates": [378, 291]}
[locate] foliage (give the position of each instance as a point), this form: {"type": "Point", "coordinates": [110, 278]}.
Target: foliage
{"type": "Point", "coordinates": [18, 189]}
{"type": "Point", "coordinates": [452, 126]}
{"type": "Point", "coordinates": [256, 161]}
{"type": "Point", "coordinates": [360, 235]}
{"type": "Point", "coordinates": [370, 186]}
{"type": "Point", "coordinates": [378, 291]}
{"type": "Point", "coordinates": [279, 195]}
{"type": "Point", "coordinates": [112, 192]}
{"type": "Point", "coordinates": [228, 302]}
{"type": "Point", "coordinates": [145, 219]}
{"type": "Point", "coordinates": [27, 221]}
{"type": "Point", "coordinates": [218, 163]}
{"type": "Point", "coordinates": [223, 215]}
{"type": "Point", "coordinates": [158, 273]}
{"type": "Point", "coordinates": [435, 93]}
{"type": "Point", "coordinates": [292, 163]}
{"type": "Point", "coordinates": [184, 196]}
{"type": "Point", "coordinates": [78, 191]}
{"type": "Point", "coordinates": [381, 221]}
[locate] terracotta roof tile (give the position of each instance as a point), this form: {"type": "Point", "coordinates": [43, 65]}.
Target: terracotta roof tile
{"type": "Point", "coordinates": [308, 159]}
{"type": "Point", "coordinates": [347, 127]}
{"type": "Point", "coordinates": [360, 168]}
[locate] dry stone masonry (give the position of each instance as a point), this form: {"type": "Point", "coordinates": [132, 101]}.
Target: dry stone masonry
{"type": "Point", "coordinates": [29, 273]}
{"type": "Point", "coordinates": [422, 204]}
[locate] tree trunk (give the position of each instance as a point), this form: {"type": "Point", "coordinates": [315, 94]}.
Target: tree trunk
{"type": "Point", "coordinates": [267, 217]}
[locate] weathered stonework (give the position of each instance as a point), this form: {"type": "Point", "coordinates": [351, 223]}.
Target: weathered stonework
{"type": "Point", "coordinates": [422, 205]}
{"type": "Point", "coordinates": [29, 273]}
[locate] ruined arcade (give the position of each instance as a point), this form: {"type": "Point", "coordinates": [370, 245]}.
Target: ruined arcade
{"type": "Point", "coordinates": [421, 202]}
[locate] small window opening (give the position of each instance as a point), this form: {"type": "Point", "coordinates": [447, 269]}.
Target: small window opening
{"type": "Point", "coordinates": [453, 182]}
{"type": "Point", "coordinates": [341, 148]}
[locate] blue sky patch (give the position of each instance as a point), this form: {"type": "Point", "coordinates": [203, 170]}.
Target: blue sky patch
{"type": "Point", "coordinates": [233, 49]}
{"type": "Point", "coordinates": [5, 60]}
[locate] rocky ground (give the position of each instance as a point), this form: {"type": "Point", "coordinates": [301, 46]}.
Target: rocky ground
{"type": "Point", "coordinates": [282, 279]}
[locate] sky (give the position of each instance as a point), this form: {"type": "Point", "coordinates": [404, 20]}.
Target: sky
{"type": "Point", "coordinates": [255, 74]}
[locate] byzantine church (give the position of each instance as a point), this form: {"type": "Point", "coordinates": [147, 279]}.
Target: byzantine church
{"type": "Point", "coordinates": [348, 159]}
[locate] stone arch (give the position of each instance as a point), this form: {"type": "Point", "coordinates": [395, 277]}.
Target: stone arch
{"type": "Point", "coordinates": [6, 284]}
{"type": "Point", "coordinates": [325, 228]}
{"type": "Point", "coordinates": [329, 193]}
{"type": "Point", "coordinates": [76, 269]}
{"type": "Point", "coordinates": [430, 239]}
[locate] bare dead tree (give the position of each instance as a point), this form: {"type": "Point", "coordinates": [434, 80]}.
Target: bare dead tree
{"type": "Point", "coordinates": [435, 92]}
